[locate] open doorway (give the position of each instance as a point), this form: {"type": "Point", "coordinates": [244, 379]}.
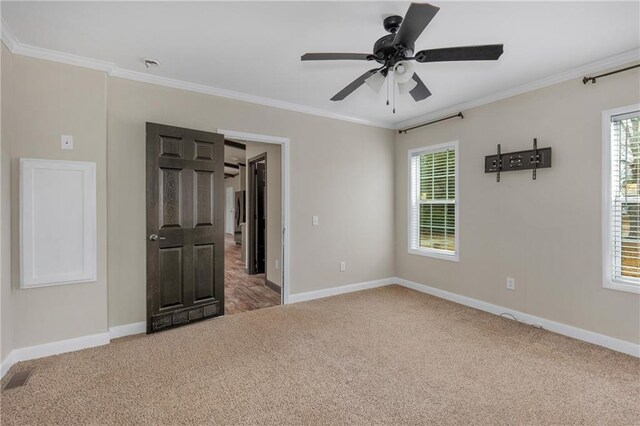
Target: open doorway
{"type": "Point", "coordinates": [253, 238]}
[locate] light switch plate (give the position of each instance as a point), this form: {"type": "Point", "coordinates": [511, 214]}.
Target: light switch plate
{"type": "Point", "coordinates": [66, 142]}
{"type": "Point", "coordinates": [315, 220]}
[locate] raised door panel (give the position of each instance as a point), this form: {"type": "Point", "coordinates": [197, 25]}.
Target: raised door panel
{"type": "Point", "coordinates": [171, 147]}
{"type": "Point", "coordinates": [203, 150]}
{"type": "Point", "coordinates": [203, 198]}
{"type": "Point", "coordinates": [170, 198]}
{"type": "Point", "coordinates": [204, 276]}
{"type": "Point", "coordinates": [171, 278]}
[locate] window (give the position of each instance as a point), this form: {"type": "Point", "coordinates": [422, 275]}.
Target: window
{"type": "Point", "coordinates": [433, 201]}
{"type": "Point", "coordinates": [621, 213]}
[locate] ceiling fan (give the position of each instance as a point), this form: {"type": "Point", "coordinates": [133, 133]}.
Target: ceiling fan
{"type": "Point", "coordinates": [395, 53]}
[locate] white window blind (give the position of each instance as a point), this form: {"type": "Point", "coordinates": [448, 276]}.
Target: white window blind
{"type": "Point", "coordinates": [624, 201]}
{"type": "Point", "coordinates": [433, 201]}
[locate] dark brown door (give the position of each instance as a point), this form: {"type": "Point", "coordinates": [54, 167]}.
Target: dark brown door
{"type": "Point", "coordinates": [239, 215]}
{"type": "Point", "coordinates": [260, 219]}
{"type": "Point", "coordinates": [185, 226]}
{"type": "Point", "coordinates": [257, 214]}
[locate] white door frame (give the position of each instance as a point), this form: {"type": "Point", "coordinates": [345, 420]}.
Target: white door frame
{"type": "Point", "coordinates": [284, 156]}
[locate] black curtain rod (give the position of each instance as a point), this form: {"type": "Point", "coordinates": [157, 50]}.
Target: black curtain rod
{"type": "Point", "coordinates": [593, 79]}
{"type": "Point", "coordinates": [431, 122]}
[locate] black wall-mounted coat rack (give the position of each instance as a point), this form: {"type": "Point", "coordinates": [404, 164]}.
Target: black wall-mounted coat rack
{"type": "Point", "coordinates": [533, 159]}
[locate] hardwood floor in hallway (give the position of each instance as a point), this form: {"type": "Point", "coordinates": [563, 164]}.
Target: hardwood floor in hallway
{"type": "Point", "coordinates": [243, 292]}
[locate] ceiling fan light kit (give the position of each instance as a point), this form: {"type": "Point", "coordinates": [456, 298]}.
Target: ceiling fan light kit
{"type": "Point", "coordinates": [403, 71]}
{"type": "Point", "coordinates": [375, 81]}
{"type": "Point", "coordinates": [395, 51]}
{"type": "Point", "coordinates": [407, 87]}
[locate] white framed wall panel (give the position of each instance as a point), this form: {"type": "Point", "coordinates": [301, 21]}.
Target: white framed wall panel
{"type": "Point", "coordinates": [57, 222]}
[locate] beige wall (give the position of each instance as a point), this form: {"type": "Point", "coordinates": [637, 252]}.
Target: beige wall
{"type": "Point", "coordinates": [544, 233]}
{"type": "Point", "coordinates": [274, 203]}
{"type": "Point", "coordinates": [47, 99]}
{"type": "Point", "coordinates": [341, 171]}
{"type": "Point", "coordinates": [6, 317]}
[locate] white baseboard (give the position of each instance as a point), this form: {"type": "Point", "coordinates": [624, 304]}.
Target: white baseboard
{"type": "Point", "coordinates": [127, 329]}
{"type": "Point", "coordinates": [334, 291]}
{"type": "Point", "coordinates": [7, 363]}
{"type": "Point", "coordinates": [612, 343]}
{"type": "Point", "coordinates": [70, 345]}
{"type": "Point", "coordinates": [54, 348]}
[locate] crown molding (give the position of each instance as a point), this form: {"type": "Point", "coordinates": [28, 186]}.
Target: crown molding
{"type": "Point", "coordinates": [18, 48]}
{"type": "Point", "coordinates": [578, 72]}
{"type": "Point", "coordinates": [223, 93]}
{"type": "Point", "coordinates": [7, 37]}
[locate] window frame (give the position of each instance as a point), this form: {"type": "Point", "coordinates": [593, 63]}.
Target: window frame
{"type": "Point", "coordinates": [607, 200]}
{"type": "Point", "coordinates": [431, 252]}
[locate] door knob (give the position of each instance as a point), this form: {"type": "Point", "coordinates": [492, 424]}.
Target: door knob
{"type": "Point", "coordinates": [155, 237]}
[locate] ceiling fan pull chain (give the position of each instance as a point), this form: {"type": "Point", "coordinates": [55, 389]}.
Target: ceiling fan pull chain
{"type": "Point", "coordinates": [388, 91]}
{"type": "Point", "coordinates": [393, 87]}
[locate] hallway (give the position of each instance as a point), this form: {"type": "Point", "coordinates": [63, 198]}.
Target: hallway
{"type": "Point", "coordinates": [243, 292]}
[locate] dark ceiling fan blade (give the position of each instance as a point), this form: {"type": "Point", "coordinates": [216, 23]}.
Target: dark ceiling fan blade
{"type": "Point", "coordinates": [353, 85]}
{"type": "Point", "coordinates": [415, 21]}
{"type": "Point", "coordinates": [419, 92]}
{"type": "Point", "coordinates": [336, 56]}
{"type": "Point", "coordinates": [489, 52]}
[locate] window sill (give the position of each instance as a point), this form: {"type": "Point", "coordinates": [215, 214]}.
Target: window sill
{"type": "Point", "coordinates": [629, 288]}
{"type": "Point", "coordinates": [435, 254]}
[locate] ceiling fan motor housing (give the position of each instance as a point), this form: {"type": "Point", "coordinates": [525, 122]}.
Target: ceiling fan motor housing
{"type": "Point", "coordinates": [385, 50]}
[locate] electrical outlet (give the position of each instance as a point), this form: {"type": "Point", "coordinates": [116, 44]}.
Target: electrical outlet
{"type": "Point", "coordinates": [66, 141]}
{"type": "Point", "coordinates": [315, 220]}
{"type": "Point", "coordinates": [511, 283]}
{"type": "Point", "coordinates": [343, 265]}
{"type": "Point", "coordinates": [277, 265]}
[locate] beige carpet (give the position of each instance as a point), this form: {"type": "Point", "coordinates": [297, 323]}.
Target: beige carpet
{"type": "Point", "coordinates": [384, 356]}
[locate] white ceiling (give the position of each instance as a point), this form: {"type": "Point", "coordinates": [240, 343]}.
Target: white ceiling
{"type": "Point", "coordinates": [254, 48]}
